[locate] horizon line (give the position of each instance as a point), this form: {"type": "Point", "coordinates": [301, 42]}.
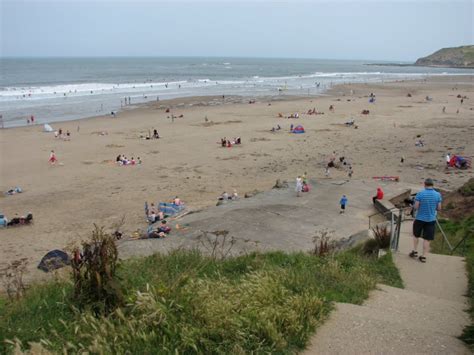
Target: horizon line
{"type": "Point", "coordinates": [190, 56]}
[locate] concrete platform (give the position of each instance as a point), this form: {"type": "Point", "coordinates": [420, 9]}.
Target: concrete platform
{"type": "Point", "coordinates": [275, 219]}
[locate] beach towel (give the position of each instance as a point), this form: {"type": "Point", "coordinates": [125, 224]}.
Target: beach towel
{"type": "Point", "coordinates": [53, 260]}
{"type": "Point", "coordinates": [170, 209]}
{"type": "Point", "coordinates": [47, 128]}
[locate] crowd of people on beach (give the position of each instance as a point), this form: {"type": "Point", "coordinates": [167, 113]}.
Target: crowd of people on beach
{"type": "Point", "coordinates": [227, 143]}
{"type": "Point", "coordinates": [60, 134]}
{"type": "Point", "coordinates": [122, 160]}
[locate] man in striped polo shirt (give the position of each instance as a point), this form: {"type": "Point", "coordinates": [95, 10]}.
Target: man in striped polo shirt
{"type": "Point", "coordinates": [427, 203]}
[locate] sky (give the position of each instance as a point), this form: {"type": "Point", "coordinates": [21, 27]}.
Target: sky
{"type": "Point", "coordinates": [396, 30]}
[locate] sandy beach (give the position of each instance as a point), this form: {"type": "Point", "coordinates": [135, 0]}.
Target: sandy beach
{"type": "Point", "coordinates": [87, 186]}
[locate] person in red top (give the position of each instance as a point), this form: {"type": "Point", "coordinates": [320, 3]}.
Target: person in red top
{"type": "Point", "coordinates": [379, 195]}
{"type": "Point", "coordinates": [52, 158]}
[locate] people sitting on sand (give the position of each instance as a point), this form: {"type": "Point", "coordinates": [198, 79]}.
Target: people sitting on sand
{"type": "Point", "coordinates": [419, 143]}
{"type": "Point", "coordinates": [223, 142]}
{"type": "Point", "coordinates": [372, 100]}
{"type": "Point", "coordinates": [224, 196]}
{"type": "Point", "coordinates": [427, 98]}
{"type": "Point", "coordinates": [277, 128]}
{"type": "Point", "coordinates": [155, 134]}
{"type": "Point", "coordinates": [155, 216]}
{"type": "Point", "coordinates": [237, 140]}
{"type": "Point", "coordinates": [379, 195]}
{"type": "Point", "coordinates": [164, 228]}
{"type": "Point", "coordinates": [21, 220]}
{"type": "Point", "coordinates": [14, 191]}
{"type": "Point", "coordinates": [365, 112]}
{"type": "Point", "coordinates": [408, 95]}
{"type": "Point", "coordinates": [294, 115]}
{"type": "Point", "coordinates": [177, 201]}
{"type": "Point", "coordinates": [3, 221]}
{"type": "Point", "coordinates": [229, 144]}
{"type": "Point", "coordinates": [280, 115]}
{"type": "Point", "coordinates": [123, 160]}
{"type": "Point", "coordinates": [331, 108]}
{"type": "Point", "coordinates": [159, 232]}
{"type": "Point", "coordinates": [350, 123]}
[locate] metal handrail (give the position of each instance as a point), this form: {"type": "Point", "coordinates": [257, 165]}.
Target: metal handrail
{"type": "Point", "coordinates": [390, 211]}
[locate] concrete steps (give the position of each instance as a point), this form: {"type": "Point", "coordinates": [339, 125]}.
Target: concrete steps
{"type": "Point", "coordinates": [424, 318]}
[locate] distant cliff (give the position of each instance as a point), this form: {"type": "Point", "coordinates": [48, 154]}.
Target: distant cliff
{"type": "Point", "coordinates": [457, 57]}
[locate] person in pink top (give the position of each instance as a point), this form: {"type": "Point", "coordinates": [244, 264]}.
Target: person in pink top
{"type": "Point", "coordinates": [52, 157]}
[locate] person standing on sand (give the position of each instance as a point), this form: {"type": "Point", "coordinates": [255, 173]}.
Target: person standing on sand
{"type": "Point", "coordinates": [299, 186]}
{"type": "Point", "coordinates": [343, 203]}
{"type": "Point", "coordinates": [427, 203]}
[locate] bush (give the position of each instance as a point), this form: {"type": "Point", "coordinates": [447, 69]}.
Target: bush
{"type": "Point", "coordinates": [94, 274]}
{"type": "Point", "coordinates": [382, 236]}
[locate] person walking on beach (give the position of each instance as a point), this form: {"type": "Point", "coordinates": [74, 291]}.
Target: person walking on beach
{"type": "Point", "coordinates": [427, 203]}
{"type": "Point", "coordinates": [343, 203]}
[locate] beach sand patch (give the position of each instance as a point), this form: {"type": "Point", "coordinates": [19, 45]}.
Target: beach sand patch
{"type": "Point", "coordinates": [212, 123]}
{"type": "Point", "coordinates": [259, 139]}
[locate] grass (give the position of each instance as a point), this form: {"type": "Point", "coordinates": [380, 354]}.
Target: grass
{"type": "Point", "coordinates": [455, 232]}
{"type": "Point", "coordinates": [185, 302]}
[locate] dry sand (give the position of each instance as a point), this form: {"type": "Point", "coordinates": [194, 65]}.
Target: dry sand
{"type": "Point", "coordinates": [88, 187]}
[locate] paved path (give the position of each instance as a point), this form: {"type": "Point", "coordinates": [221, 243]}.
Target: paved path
{"type": "Point", "coordinates": [424, 318]}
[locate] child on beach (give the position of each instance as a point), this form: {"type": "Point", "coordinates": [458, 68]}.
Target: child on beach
{"type": "Point", "coordinates": [343, 203]}
{"type": "Point", "coordinates": [52, 158]}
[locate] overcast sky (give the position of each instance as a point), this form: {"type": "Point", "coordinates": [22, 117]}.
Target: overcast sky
{"type": "Point", "coordinates": [384, 30]}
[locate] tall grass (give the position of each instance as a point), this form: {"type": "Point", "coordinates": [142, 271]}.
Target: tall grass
{"type": "Point", "coordinates": [188, 303]}
{"type": "Point", "coordinates": [455, 231]}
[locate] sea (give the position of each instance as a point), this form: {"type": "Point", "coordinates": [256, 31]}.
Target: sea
{"type": "Point", "coordinates": [60, 89]}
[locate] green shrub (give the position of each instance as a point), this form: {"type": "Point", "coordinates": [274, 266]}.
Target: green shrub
{"type": "Point", "coordinates": [96, 286]}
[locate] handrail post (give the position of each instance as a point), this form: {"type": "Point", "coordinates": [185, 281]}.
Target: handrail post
{"type": "Point", "coordinates": [444, 235]}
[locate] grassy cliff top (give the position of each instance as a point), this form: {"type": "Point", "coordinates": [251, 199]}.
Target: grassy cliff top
{"type": "Point", "coordinates": [458, 57]}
